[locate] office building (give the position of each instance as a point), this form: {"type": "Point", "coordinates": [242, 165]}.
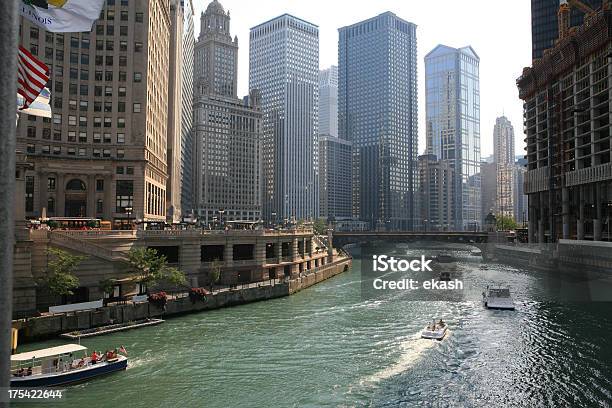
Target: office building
{"type": "Point", "coordinates": [103, 154]}
{"type": "Point", "coordinates": [503, 153]}
{"type": "Point", "coordinates": [284, 66]}
{"type": "Point", "coordinates": [187, 140]}
{"type": "Point", "coordinates": [488, 180]}
{"type": "Point", "coordinates": [377, 113]}
{"type": "Point", "coordinates": [328, 101]}
{"type": "Point", "coordinates": [545, 26]}
{"type": "Point", "coordinates": [452, 104]}
{"type": "Point", "coordinates": [335, 178]}
{"type": "Point", "coordinates": [435, 194]}
{"type": "Point", "coordinates": [566, 102]}
{"type": "Point", "coordinates": [227, 130]}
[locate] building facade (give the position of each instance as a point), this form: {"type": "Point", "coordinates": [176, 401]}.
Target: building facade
{"type": "Point", "coordinates": [435, 194]}
{"type": "Point", "coordinates": [452, 104]}
{"type": "Point", "coordinates": [103, 153]}
{"type": "Point", "coordinates": [488, 182]}
{"type": "Point", "coordinates": [227, 130]}
{"type": "Point", "coordinates": [503, 153]}
{"type": "Point", "coordinates": [335, 177]}
{"type": "Point", "coordinates": [519, 200]}
{"type": "Point", "coordinates": [328, 101]}
{"type": "Point", "coordinates": [377, 113]}
{"type": "Point", "coordinates": [284, 66]}
{"type": "Point", "coordinates": [544, 24]}
{"type": "Point", "coordinates": [187, 139]}
{"type": "Point", "coordinates": [567, 115]}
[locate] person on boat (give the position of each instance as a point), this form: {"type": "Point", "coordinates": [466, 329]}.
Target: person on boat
{"type": "Point", "coordinates": [20, 372]}
{"type": "Point", "coordinates": [94, 357]}
{"type": "Point", "coordinates": [441, 323]}
{"type": "Point", "coordinates": [29, 371]}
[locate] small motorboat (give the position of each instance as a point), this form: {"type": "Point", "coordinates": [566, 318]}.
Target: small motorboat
{"type": "Point", "coordinates": [435, 330]}
{"type": "Point", "coordinates": [444, 258]}
{"type": "Point", "coordinates": [476, 252]}
{"type": "Point", "coordinates": [63, 365]}
{"type": "Point", "coordinates": [445, 276]}
{"type": "Point", "coordinates": [498, 297]}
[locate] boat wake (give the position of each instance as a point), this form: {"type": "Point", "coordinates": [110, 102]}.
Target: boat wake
{"type": "Point", "coordinates": [412, 349]}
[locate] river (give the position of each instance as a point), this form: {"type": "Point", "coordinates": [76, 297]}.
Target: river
{"type": "Point", "coordinates": [331, 346]}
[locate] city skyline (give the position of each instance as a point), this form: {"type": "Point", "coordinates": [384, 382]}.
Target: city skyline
{"type": "Point", "coordinates": [502, 56]}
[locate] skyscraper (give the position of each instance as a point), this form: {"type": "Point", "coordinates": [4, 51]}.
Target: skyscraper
{"type": "Point", "coordinates": [544, 25]}
{"type": "Point", "coordinates": [284, 66]}
{"type": "Point", "coordinates": [328, 101]}
{"type": "Point", "coordinates": [377, 113]}
{"type": "Point", "coordinates": [435, 194]}
{"type": "Point", "coordinates": [103, 154]}
{"type": "Point", "coordinates": [504, 156]}
{"type": "Point", "coordinates": [227, 130]}
{"type": "Point", "coordinates": [335, 177]}
{"type": "Point", "coordinates": [187, 140]}
{"type": "Point", "coordinates": [452, 102]}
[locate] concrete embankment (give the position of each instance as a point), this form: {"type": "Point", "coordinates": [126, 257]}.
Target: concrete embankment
{"type": "Point", "coordinates": [36, 328]}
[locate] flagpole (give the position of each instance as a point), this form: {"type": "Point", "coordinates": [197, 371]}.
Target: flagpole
{"type": "Point", "coordinates": [8, 91]}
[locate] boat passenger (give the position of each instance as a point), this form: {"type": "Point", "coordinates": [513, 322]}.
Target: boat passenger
{"type": "Point", "coordinates": [29, 371]}
{"type": "Point", "coordinates": [94, 357]}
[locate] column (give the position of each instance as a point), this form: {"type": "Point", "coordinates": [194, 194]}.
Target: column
{"type": "Point", "coordinates": [580, 221]}
{"type": "Point", "coordinates": [43, 194]}
{"type": "Point", "coordinates": [541, 219]}
{"type": "Point", "coordinates": [531, 227]}
{"type": "Point", "coordinates": [279, 250]}
{"type": "Point", "coordinates": [60, 196]}
{"type": "Point", "coordinates": [228, 254]}
{"type": "Point", "coordinates": [294, 249]}
{"type": "Point", "coordinates": [91, 195]}
{"type": "Point", "coordinates": [598, 213]}
{"type": "Point", "coordinates": [565, 211]}
{"type": "Point", "coordinates": [109, 203]}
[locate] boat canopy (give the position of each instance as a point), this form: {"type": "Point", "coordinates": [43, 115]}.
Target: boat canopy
{"type": "Point", "coordinates": [48, 352]}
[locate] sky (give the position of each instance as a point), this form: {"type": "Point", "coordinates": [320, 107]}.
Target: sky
{"type": "Point", "coordinates": [500, 32]}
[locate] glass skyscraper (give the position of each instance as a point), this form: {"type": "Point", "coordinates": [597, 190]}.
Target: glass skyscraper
{"type": "Point", "coordinates": [187, 142]}
{"type": "Point", "coordinates": [452, 101]}
{"type": "Point", "coordinates": [377, 112]}
{"type": "Point", "coordinates": [284, 66]}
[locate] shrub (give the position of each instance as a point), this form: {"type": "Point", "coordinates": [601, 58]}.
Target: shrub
{"type": "Point", "coordinates": [159, 299]}
{"type": "Point", "coordinates": [198, 294]}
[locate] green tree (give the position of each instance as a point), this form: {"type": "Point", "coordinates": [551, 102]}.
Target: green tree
{"type": "Point", "coordinates": [215, 272]}
{"type": "Point", "coordinates": [107, 285]}
{"type": "Point", "coordinates": [59, 276]}
{"type": "Point", "coordinates": [152, 268]}
{"type": "Point", "coordinates": [505, 223]}
{"type": "Point", "coordinates": [320, 226]}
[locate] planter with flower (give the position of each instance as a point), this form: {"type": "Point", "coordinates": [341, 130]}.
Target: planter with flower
{"type": "Point", "coordinates": [196, 294]}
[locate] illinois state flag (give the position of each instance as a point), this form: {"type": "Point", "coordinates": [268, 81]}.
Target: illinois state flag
{"type": "Point", "coordinates": [62, 15]}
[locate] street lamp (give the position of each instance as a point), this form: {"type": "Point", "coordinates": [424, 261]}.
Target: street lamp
{"type": "Point", "coordinates": [274, 223]}
{"type": "Point", "coordinates": [221, 212]}
{"type": "Point", "coordinates": [128, 211]}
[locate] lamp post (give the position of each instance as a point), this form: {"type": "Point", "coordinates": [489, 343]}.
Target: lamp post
{"type": "Point", "coordinates": [221, 212]}
{"type": "Point", "coordinates": [274, 223]}
{"type": "Point", "coordinates": [128, 211]}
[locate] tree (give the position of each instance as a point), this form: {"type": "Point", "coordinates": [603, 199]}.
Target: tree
{"type": "Point", "coordinates": [59, 277]}
{"type": "Point", "coordinates": [320, 226]}
{"type": "Point", "coordinates": [505, 223]}
{"type": "Point", "coordinates": [107, 285]}
{"type": "Point", "coordinates": [215, 272]}
{"type": "Point", "coordinates": [152, 268]}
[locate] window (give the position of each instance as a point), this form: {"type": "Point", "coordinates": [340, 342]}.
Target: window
{"type": "Point", "coordinates": [99, 206]}
{"type": "Point", "coordinates": [59, 55]}
{"type": "Point", "coordinates": [122, 76]}
{"type": "Point", "coordinates": [97, 138]}
{"type": "Point", "coordinates": [97, 121]}
{"type": "Point", "coordinates": [85, 43]}
{"type": "Point", "coordinates": [122, 91]}
{"type": "Point", "coordinates": [97, 106]}
{"type": "Point", "coordinates": [49, 37]}
{"type": "Point", "coordinates": [57, 103]}
{"type": "Point", "coordinates": [108, 106]}
{"type": "Point", "coordinates": [110, 29]}
{"type": "Point", "coordinates": [72, 136]}
{"type": "Point", "coordinates": [139, 17]}
{"type": "Point", "coordinates": [57, 135]}
{"type": "Point", "coordinates": [108, 91]}
{"type": "Point", "coordinates": [137, 77]}
{"type": "Point", "coordinates": [82, 151]}
{"type": "Point", "coordinates": [49, 52]}
{"type": "Point", "coordinates": [120, 137]}
{"type": "Point", "coordinates": [72, 104]}
{"type": "Point", "coordinates": [110, 2]}
{"type": "Point", "coordinates": [120, 106]}
{"type": "Point", "coordinates": [107, 138]}
{"type": "Point", "coordinates": [108, 75]}
{"type": "Point", "coordinates": [57, 150]}
{"type": "Point", "coordinates": [30, 148]}
{"type": "Point", "coordinates": [97, 91]}
{"type": "Point", "coordinates": [84, 90]}
{"type": "Point", "coordinates": [106, 153]}
{"type": "Point", "coordinates": [98, 75]}
{"type": "Point", "coordinates": [46, 149]}
{"type": "Point", "coordinates": [99, 29]}
{"type": "Point", "coordinates": [29, 194]}
{"type": "Point", "coordinates": [96, 153]}
{"type": "Point", "coordinates": [71, 151]}
{"type": "Point", "coordinates": [120, 170]}
{"type": "Point", "coordinates": [109, 60]}
{"type": "Point", "coordinates": [110, 15]}
{"type": "Point", "coordinates": [58, 70]}
{"type": "Point", "coordinates": [76, 185]}
{"type": "Point", "coordinates": [51, 205]}
{"type": "Point", "coordinates": [129, 170]}
{"type": "Point", "coordinates": [84, 76]}
{"type": "Point", "coordinates": [83, 121]}
{"type": "Point", "coordinates": [99, 45]}
{"type": "Point", "coordinates": [51, 184]}
{"type": "Point", "coordinates": [33, 32]}
{"type": "Point", "coordinates": [123, 31]}
{"type": "Point", "coordinates": [125, 195]}
{"type": "Point", "coordinates": [84, 59]}
{"type": "Point", "coordinates": [120, 153]}
{"type": "Point", "coordinates": [83, 137]}
{"type": "Point", "coordinates": [108, 122]}
{"type": "Point", "coordinates": [46, 134]}
{"type": "Point", "coordinates": [74, 73]}
{"type": "Point", "coordinates": [110, 45]}
{"type": "Point", "coordinates": [59, 88]}
{"type": "Point", "coordinates": [72, 119]}
{"type": "Point", "coordinates": [74, 42]}
{"type": "Point", "coordinates": [123, 46]}
{"type": "Point", "coordinates": [34, 49]}
{"type": "Point", "coordinates": [124, 15]}
{"type": "Point", "coordinates": [72, 89]}
{"type": "Point", "coordinates": [74, 57]}
{"type": "Point", "coordinates": [136, 108]}
{"type": "Point", "coordinates": [137, 47]}
{"type": "Point", "coordinates": [121, 123]}
{"type": "Point", "coordinates": [122, 61]}
{"type": "Point", "coordinates": [99, 185]}
{"type": "Point", "coordinates": [31, 131]}
{"type": "Point", "coordinates": [59, 39]}
{"type": "Point", "coordinates": [83, 105]}
{"type": "Point", "coordinates": [124, 2]}
{"type": "Point", "coordinates": [99, 60]}
{"type": "Point", "coordinates": [57, 118]}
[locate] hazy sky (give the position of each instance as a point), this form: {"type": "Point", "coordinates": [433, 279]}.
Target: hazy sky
{"type": "Point", "coordinates": [500, 32]}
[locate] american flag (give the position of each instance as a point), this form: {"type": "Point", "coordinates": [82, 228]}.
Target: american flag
{"type": "Point", "coordinates": [123, 350]}
{"type": "Point", "coordinates": [32, 76]}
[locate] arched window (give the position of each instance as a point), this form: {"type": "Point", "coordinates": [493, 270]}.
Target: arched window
{"type": "Point", "coordinates": [51, 205]}
{"type": "Point", "coordinates": [75, 185]}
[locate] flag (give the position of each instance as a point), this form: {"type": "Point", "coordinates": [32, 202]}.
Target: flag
{"type": "Point", "coordinates": [32, 76]}
{"type": "Point", "coordinates": [123, 350]}
{"type": "Point", "coordinates": [40, 106]}
{"type": "Point", "coordinates": [62, 15]}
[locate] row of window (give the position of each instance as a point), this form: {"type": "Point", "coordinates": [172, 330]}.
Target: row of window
{"type": "Point", "coordinates": [83, 74]}
{"type": "Point", "coordinates": [72, 136]}
{"type": "Point", "coordinates": [73, 151]}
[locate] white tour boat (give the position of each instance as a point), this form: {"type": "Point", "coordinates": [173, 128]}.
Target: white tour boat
{"type": "Point", "coordinates": [498, 297]}
{"type": "Point", "coordinates": [435, 330]}
{"type": "Point", "coordinates": [62, 365]}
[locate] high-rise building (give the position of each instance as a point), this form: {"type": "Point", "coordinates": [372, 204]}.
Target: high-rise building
{"type": "Point", "coordinates": [103, 153]}
{"type": "Point", "coordinates": [335, 177]}
{"type": "Point", "coordinates": [377, 113]}
{"type": "Point", "coordinates": [227, 130]}
{"type": "Point", "coordinates": [435, 194]}
{"type": "Point", "coordinates": [544, 24]}
{"type": "Point", "coordinates": [284, 66]}
{"type": "Point", "coordinates": [187, 140]}
{"type": "Point", "coordinates": [519, 199]}
{"type": "Point", "coordinates": [503, 153]}
{"type": "Point", "coordinates": [452, 102]}
{"type": "Point", "coordinates": [328, 101]}
{"type": "Point", "coordinates": [488, 182]}
{"type": "Point", "coordinates": [567, 105]}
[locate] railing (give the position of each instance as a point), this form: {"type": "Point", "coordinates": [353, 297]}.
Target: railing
{"type": "Point", "coordinates": [78, 244]}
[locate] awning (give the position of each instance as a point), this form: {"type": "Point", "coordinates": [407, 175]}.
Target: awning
{"type": "Point", "coordinates": [48, 352]}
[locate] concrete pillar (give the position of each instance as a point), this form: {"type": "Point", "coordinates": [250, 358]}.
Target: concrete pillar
{"type": "Point", "coordinates": [91, 195]}
{"type": "Point", "coordinates": [279, 251]}
{"type": "Point", "coordinates": [541, 219]}
{"type": "Point", "coordinates": [598, 213]}
{"type": "Point", "coordinates": [260, 252]}
{"type": "Point", "coordinates": [228, 254]}
{"type": "Point", "coordinates": [43, 195]}
{"type": "Point", "coordinates": [580, 221]}
{"type": "Point", "coordinates": [60, 196]}
{"type": "Point", "coordinates": [531, 227]}
{"type": "Point", "coordinates": [109, 203]}
{"type": "Point", "coordinates": [294, 249]}
{"type": "Point", "coordinates": [565, 211]}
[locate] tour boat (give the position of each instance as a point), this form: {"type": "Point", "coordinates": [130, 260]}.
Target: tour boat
{"type": "Point", "coordinates": [498, 297]}
{"type": "Point", "coordinates": [435, 330]}
{"type": "Point", "coordinates": [62, 365]}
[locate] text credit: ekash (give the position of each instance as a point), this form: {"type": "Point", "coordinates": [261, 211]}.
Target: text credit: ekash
{"type": "Point", "coordinates": [386, 264]}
